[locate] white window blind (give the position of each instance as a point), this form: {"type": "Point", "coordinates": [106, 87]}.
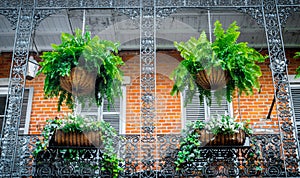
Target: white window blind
{"type": "Point", "coordinates": [196, 111]}
{"type": "Point", "coordinates": [295, 90]}
{"type": "Point", "coordinates": [26, 109]}
{"type": "Point", "coordinates": [2, 110]}
{"type": "Point", "coordinates": [218, 109]}
{"type": "Point", "coordinates": [115, 115]}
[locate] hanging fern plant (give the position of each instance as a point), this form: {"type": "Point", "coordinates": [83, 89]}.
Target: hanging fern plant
{"type": "Point", "coordinates": [91, 54]}
{"type": "Point", "coordinates": [236, 60]}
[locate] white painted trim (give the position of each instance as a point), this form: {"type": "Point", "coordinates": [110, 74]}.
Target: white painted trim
{"type": "Point", "coordinates": [295, 83]}
{"type": "Point", "coordinates": [126, 80]}
{"type": "Point", "coordinates": [121, 113]}
{"type": "Point", "coordinates": [4, 91]}
{"type": "Point", "coordinates": [292, 79]}
{"type": "Point", "coordinates": [206, 110]}
{"type": "Point", "coordinates": [4, 81]}
{"type": "Point", "coordinates": [230, 109]}
{"type": "Point", "coordinates": [28, 111]}
{"type": "Point", "coordinates": [183, 111]}
{"type": "Point", "coordinates": [122, 122]}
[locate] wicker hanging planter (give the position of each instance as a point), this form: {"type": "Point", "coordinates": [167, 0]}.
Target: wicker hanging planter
{"type": "Point", "coordinates": [76, 139]}
{"type": "Point", "coordinates": [214, 80]}
{"type": "Point", "coordinates": [209, 139]}
{"type": "Point", "coordinates": [80, 82]}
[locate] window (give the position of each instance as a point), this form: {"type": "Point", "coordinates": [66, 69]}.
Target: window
{"type": "Point", "coordinates": [295, 91]}
{"type": "Point", "coordinates": [26, 106]}
{"type": "Point", "coordinates": [196, 111]}
{"type": "Point", "coordinates": [115, 116]}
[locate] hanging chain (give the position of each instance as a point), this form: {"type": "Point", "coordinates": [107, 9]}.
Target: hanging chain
{"type": "Point", "coordinates": [83, 22]}
{"type": "Point", "coordinates": [209, 26]}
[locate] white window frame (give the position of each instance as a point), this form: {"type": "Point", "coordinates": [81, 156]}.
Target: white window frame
{"type": "Point", "coordinates": [295, 84]}
{"type": "Point", "coordinates": [122, 112]}
{"type": "Point", "coordinates": [4, 92]}
{"type": "Point", "coordinates": [206, 110]}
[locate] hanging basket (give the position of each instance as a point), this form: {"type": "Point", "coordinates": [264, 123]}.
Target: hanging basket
{"type": "Point", "coordinates": [76, 139]}
{"type": "Point", "coordinates": [209, 139]}
{"type": "Point", "coordinates": [80, 82]}
{"type": "Point", "coordinates": [214, 80]}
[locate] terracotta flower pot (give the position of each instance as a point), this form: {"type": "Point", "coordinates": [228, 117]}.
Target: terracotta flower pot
{"type": "Point", "coordinates": [214, 79]}
{"type": "Point", "coordinates": [80, 82]}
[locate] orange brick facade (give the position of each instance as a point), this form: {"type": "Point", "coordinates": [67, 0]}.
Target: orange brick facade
{"type": "Point", "coordinates": [168, 108]}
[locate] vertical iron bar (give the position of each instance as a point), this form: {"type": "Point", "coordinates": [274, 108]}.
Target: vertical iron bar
{"type": "Point", "coordinates": [16, 85]}
{"type": "Point", "coordinates": [147, 84]}
{"type": "Point", "coordinates": [278, 64]}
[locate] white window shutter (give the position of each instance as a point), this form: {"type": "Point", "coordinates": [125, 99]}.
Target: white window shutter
{"type": "Point", "coordinates": [218, 108]}
{"type": "Point", "coordinates": [90, 111]}
{"type": "Point", "coordinates": [195, 110]}
{"type": "Point", "coordinates": [26, 109]}
{"type": "Point", "coordinates": [296, 102]}
{"type": "Point", "coordinates": [112, 115]}
{"type": "Point", "coordinates": [2, 110]}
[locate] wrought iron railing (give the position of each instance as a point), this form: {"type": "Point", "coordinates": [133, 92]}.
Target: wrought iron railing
{"type": "Point", "coordinates": [214, 161]}
{"type": "Point", "coordinates": [280, 154]}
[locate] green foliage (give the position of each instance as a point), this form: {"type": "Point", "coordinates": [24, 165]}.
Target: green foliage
{"type": "Point", "coordinates": [47, 133]}
{"type": "Point", "coordinates": [224, 124]}
{"type": "Point", "coordinates": [94, 55]}
{"type": "Point", "coordinates": [297, 55]}
{"type": "Point", "coordinates": [237, 59]}
{"type": "Point", "coordinates": [255, 156]}
{"type": "Point", "coordinates": [190, 142]}
{"type": "Point", "coordinates": [71, 123]}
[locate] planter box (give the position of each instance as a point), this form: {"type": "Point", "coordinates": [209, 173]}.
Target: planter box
{"type": "Point", "coordinates": [76, 139]}
{"type": "Point", "coordinates": [209, 139]}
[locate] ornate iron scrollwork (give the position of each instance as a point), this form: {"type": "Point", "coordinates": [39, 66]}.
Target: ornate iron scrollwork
{"type": "Point", "coordinates": [150, 155]}
{"type": "Point", "coordinates": [147, 60]}
{"type": "Point", "coordinates": [16, 88]}
{"type": "Point", "coordinates": [273, 20]}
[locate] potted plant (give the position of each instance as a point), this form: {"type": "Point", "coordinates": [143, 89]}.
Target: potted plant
{"type": "Point", "coordinates": [224, 130]}
{"type": "Point", "coordinates": [208, 66]}
{"type": "Point", "coordinates": [80, 131]}
{"type": "Point", "coordinates": [81, 66]}
{"type": "Point", "coordinates": [103, 137]}
{"type": "Point", "coordinates": [220, 131]}
{"type": "Point", "coordinates": [189, 144]}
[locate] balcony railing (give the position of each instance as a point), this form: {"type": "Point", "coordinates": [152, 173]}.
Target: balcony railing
{"type": "Point", "coordinates": [214, 161]}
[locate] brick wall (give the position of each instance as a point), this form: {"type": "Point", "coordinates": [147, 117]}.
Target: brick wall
{"type": "Point", "coordinates": [256, 107]}
{"type": "Point", "coordinates": [42, 109]}
{"type": "Point", "coordinates": [5, 63]}
{"type": "Point", "coordinates": [168, 108]}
